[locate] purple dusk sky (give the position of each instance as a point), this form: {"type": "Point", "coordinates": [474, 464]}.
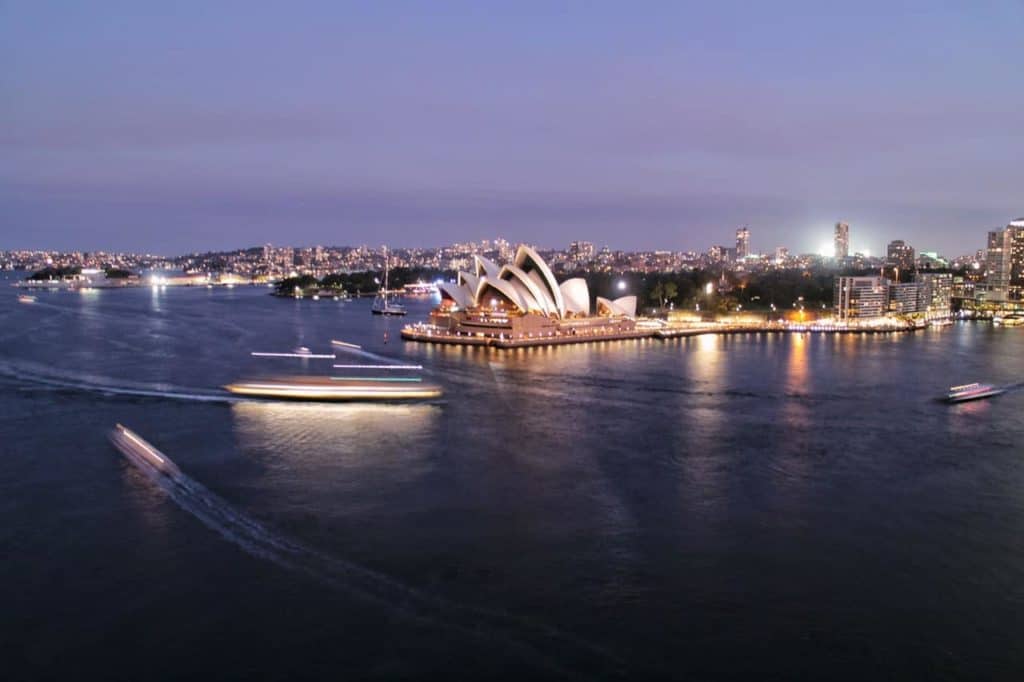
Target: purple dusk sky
{"type": "Point", "coordinates": [180, 126]}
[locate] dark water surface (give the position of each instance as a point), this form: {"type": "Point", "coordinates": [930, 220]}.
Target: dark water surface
{"type": "Point", "coordinates": [747, 507]}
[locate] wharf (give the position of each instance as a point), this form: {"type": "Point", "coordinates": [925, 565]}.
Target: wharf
{"type": "Point", "coordinates": [427, 334]}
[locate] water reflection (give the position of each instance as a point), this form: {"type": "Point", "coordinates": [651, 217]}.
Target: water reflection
{"type": "Point", "coordinates": [340, 440]}
{"type": "Point", "coordinates": [796, 363]}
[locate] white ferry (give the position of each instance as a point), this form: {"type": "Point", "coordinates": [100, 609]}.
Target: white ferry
{"type": "Point", "coordinates": [960, 394]}
{"type": "Point", "coordinates": [323, 388]}
{"type": "Point", "coordinates": [419, 289]}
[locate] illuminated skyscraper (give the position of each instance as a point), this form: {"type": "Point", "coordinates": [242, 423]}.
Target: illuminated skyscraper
{"type": "Point", "coordinates": [1015, 290]}
{"type": "Point", "coordinates": [842, 240]}
{"type": "Point", "coordinates": [998, 263]}
{"type": "Point", "coordinates": [742, 243]}
{"type": "Point", "coordinates": [581, 252]}
{"type": "Point", "coordinates": [900, 254]}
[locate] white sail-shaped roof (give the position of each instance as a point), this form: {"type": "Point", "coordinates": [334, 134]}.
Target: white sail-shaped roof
{"type": "Point", "coordinates": [485, 267]}
{"type": "Point", "coordinates": [576, 295]}
{"type": "Point", "coordinates": [468, 279]}
{"type": "Point", "coordinates": [488, 287]}
{"type": "Point", "coordinates": [621, 306]}
{"type": "Point", "coordinates": [626, 305]}
{"type": "Point", "coordinates": [528, 261]}
{"type": "Point", "coordinates": [462, 296]}
{"type": "Point", "coordinates": [529, 289]}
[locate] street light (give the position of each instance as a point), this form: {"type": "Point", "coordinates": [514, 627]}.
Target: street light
{"type": "Point", "coordinates": [621, 285]}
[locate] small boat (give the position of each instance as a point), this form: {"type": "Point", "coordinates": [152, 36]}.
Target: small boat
{"type": "Point", "coordinates": [335, 389]}
{"type": "Point", "coordinates": [960, 394]}
{"type": "Point", "coordinates": [419, 289]}
{"type": "Point", "coordinates": [25, 298]}
{"type": "Point", "coordinates": [381, 305]}
{"type": "Point", "coordinates": [138, 450]}
{"type": "Point", "coordinates": [316, 297]}
{"type": "Point", "coordinates": [302, 350]}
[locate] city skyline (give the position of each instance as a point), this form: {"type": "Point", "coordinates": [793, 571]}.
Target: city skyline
{"type": "Point", "coordinates": [840, 246]}
{"type": "Point", "coordinates": [132, 128]}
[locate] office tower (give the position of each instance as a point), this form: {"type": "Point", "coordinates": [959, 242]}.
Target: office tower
{"type": "Point", "coordinates": [581, 252]}
{"type": "Point", "coordinates": [1015, 289]}
{"type": "Point", "coordinates": [998, 263]}
{"type": "Point", "coordinates": [900, 255]}
{"type": "Point", "coordinates": [842, 240]}
{"type": "Point", "coordinates": [742, 243]}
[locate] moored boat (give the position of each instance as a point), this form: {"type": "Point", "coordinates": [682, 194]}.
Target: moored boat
{"type": "Point", "coordinates": [381, 304]}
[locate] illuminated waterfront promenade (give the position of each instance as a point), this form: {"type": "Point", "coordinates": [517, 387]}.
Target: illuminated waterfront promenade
{"type": "Point", "coordinates": [656, 329]}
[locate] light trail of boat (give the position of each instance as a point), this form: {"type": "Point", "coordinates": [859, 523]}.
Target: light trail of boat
{"type": "Point", "coordinates": [367, 354]}
{"type": "Point", "coordinates": [346, 344]}
{"type": "Point", "coordinates": [378, 366]}
{"type": "Point", "coordinates": [90, 384]}
{"type": "Point", "coordinates": [314, 356]}
{"type": "Point", "coordinates": [543, 645]}
{"type": "Point", "coordinates": [329, 389]}
{"type": "Point", "coordinates": [414, 379]}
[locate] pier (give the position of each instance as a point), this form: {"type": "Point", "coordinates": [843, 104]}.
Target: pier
{"type": "Point", "coordinates": [429, 334]}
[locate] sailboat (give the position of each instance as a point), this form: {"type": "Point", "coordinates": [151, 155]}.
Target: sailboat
{"type": "Point", "coordinates": [381, 305]}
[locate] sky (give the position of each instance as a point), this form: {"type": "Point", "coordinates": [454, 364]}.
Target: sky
{"type": "Point", "coordinates": [172, 127]}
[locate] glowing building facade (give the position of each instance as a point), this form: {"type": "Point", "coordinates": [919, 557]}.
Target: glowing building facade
{"type": "Point", "coordinates": [859, 298]}
{"type": "Point", "coordinates": [522, 299]}
{"type": "Point", "coordinates": [842, 241]}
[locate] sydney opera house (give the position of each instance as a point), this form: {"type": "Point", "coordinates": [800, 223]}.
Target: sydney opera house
{"type": "Point", "coordinates": [523, 301]}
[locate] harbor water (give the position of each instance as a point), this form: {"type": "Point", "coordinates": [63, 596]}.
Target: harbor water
{"type": "Point", "coordinates": [719, 507]}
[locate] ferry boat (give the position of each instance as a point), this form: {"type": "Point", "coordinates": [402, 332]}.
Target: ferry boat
{"type": "Point", "coordinates": [419, 289]}
{"type": "Point", "coordinates": [25, 298]}
{"type": "Point", "coordinates": [319, 388]}
{"type": "Point", "coordinates": [960, 394]}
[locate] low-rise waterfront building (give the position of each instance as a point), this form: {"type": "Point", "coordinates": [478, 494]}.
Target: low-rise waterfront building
{"type": "Point", "coordinates": [857, 298]}
{"type": "Point", "coordinates": [903, 298]}
{"type": "Point", "coordinates": [935, 292]}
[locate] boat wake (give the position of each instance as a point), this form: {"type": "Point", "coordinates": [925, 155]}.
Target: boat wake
{"type": "Point", "coordinates": [45, 377]}
{"type": "Point", "coordinates": [360, 352]}
{"type": "Point", "coordinates": [544, 646]}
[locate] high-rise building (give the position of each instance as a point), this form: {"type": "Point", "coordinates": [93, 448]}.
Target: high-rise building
{"type": "Point", "coordinates": [857, 298]}
{"type": "Point", "coordinates": [781, 254]}
{"type": "Point", "coordinates": [742, 242]}
{"type": "Point", "coordinates": [1015, 289]}
{"type": "Point", "coordinates": [842, 240]}
{"type": "Point", "coordinates": [998, 264]}
{"type": "Point", "coordinates": [900, 255]}
{"type": "Point", "coordinates": [581, 252]}
{"type": "Point", "coordinates": [718, 253]}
